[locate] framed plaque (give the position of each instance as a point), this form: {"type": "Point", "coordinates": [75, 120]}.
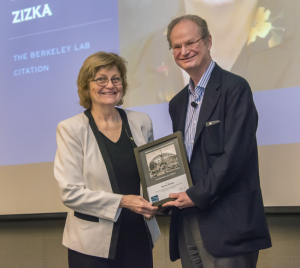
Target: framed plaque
{"type": "Point", "coordinates": [163, 168]}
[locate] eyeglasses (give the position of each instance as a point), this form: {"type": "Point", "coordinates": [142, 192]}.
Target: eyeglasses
{"type": "Point", "coordinates": [189, 45]}
{"type": "Point", "coordinates": [103, 81]}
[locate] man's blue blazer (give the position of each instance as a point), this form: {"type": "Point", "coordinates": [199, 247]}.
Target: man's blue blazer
{"type": "Point", "coordinates": [224, 168]}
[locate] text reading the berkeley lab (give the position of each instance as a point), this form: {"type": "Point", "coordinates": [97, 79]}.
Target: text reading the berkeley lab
{"type": "Point", "coordinates": [45, 53]}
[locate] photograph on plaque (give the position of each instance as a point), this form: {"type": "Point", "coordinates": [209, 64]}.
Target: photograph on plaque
{"type": "Point", "coordinates": [162, 161]}
{"type": "Point", "coordinates": [163, 168]}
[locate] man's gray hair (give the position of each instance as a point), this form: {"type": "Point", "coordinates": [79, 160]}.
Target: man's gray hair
{"type": "Point", "coordinates": [201, 23]}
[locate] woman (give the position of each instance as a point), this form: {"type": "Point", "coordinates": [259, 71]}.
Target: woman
{"type": "Point", "coordinates": [97, 174]}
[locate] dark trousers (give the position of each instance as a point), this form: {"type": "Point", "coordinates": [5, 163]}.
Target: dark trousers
{"type": "Point", "coordinates": [194, 255]}
{"type": "Point", "coordinates": [133, 260]}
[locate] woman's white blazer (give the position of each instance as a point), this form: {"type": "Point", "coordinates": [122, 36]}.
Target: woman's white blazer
{"type": "Point", "coordinates": [84, 185]}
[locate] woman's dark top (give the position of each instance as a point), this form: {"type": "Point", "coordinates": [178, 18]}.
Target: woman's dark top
{"type": "Point", "coordinates": [133, 239]}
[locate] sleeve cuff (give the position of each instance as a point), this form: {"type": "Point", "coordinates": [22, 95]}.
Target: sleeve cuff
{"type": "Point", "coordinates": [118, 214]}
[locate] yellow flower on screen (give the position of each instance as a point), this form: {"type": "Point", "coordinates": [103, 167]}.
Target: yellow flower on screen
{"type": "Point", "coordinates": [261, 27]}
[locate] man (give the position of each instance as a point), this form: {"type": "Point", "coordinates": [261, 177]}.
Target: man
{"type": "Point", "coordinates": [220, 221]}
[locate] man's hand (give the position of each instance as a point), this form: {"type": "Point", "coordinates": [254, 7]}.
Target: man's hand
{"type": "Point", "coordinates": [138, 205]}
{"type": "Point", "coordinates": [182, 201]}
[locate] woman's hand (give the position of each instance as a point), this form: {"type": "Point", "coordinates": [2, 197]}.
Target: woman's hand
{"type": "Point", "coordinates": [138, 205]}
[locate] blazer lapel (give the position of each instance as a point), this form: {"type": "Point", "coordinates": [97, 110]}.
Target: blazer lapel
{"type": "Point", "coordinates": [113, 181]}
{"type": "Point", "coordinates": [183, 109]}
{"type": "Point", "coordinates": [102, 148]}
{"type": "Point", "coordinates": [210, 99]}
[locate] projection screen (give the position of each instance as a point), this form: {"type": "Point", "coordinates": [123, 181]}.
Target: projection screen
{"type": "Point", "coordinates": [44, 44]}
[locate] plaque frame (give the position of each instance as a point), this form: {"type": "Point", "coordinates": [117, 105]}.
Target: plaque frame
{"type": "Point", "coordinates": [162, 172]}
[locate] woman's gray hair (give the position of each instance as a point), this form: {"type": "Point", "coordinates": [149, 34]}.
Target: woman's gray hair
{"type": "Point", "coordinates": [201, 23]}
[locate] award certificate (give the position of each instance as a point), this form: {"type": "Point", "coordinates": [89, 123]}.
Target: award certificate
{"type": "Point", "coordinates": [163, 168]}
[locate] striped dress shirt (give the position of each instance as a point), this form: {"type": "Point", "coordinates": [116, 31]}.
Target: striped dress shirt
{"type": "Point", "coordinates": [192, 115]}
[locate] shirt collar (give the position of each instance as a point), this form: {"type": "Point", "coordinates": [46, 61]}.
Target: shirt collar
{"type": "Point", "coordinates": [203, 81]}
